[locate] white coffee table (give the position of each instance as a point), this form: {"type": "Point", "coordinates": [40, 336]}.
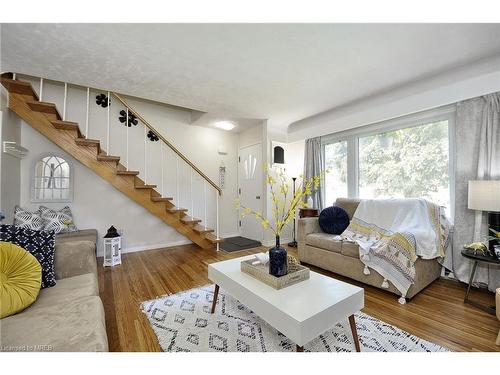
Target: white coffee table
{"type": "Point", "coordinates": [302, 311]}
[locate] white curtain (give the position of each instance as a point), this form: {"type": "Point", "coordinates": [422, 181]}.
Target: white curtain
{"type": "Point", "coordinates": [477, 141]}
{"type": "Point", "coordinates": [314, 166]}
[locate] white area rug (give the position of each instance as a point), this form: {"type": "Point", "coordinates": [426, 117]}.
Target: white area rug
{"type": "Point", "coordinates": [182, 322]}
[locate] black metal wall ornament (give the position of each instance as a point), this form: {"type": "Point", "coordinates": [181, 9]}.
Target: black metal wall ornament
{"type": "Point", "coordinates": [102, 100]}
{"type": "Point", "coordinates": [152, 136]}
{"type": "Point", "coordinates": [132, 120]}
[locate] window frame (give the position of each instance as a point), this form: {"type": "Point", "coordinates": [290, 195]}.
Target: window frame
{"type": "Point", "coordinates": [33, 177]}
{"type": "Point", "coordinates": [352, 136]}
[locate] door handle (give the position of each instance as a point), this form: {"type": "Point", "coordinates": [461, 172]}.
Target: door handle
{"type": "Point", "coordinates": [257, 197]}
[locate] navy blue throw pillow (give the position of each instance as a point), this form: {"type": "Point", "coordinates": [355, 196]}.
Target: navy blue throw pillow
{"type": "Point", "coordinates": [40, 243]}
{"type": "Point", "coordinates": [333, 220]}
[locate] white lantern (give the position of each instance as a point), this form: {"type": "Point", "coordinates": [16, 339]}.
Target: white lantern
{"type": "Point", "coordinates": [112, 248]}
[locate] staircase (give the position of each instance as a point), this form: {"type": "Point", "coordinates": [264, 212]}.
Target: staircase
{"type": "Point", "coordinates": [45, 117]}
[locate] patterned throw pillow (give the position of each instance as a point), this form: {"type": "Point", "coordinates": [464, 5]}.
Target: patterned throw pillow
{"type": "Point", "coordinates": [28, 219]}
{"type": "Point", "coordinates": [59, 221]}
{"type": "Point", "coordinates": [40, 243]}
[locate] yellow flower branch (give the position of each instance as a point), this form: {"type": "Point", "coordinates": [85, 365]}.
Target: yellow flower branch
{"type": "Point", "coordinates": [283, 210]}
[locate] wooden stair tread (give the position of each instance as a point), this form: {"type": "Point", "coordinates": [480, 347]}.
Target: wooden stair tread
{"type": "Point", "coordinates": [44, 107]}
{"type": "Point", "coordinates": [202, 229]}
{"type": "Point", "coordinates": [127, 173]}
{"type": "Point", "coordinates": [190, 220]}
{"type": "Point", "coordinates": [176, 209]}
{"type": "Point", "coordinates": [18, 87]}
{"type": "Point", "coordinates": [213, 238]}
{"type": "Point", "coordinates": [161, 199]}
{"type": "Point", "coordinates": [87, 142]}
{"type": "Point", "coordinates": [65, 125]}
{"type": "Point", "coordinates": [145, 186]}
{"type": "Point", "coordinates": [104, 157]}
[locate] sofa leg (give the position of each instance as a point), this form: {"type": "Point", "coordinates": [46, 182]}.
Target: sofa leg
{"type": "Point", "coordinates": [498, 338]}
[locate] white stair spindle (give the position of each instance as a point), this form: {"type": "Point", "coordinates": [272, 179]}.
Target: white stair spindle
{"type": "Point", "coordinates": [177, 198]}
{"type": "Point", "coordinates": [161, 166]}
{"type": "Point", "coordinates": [65, 100]}
{"type": "Point", "coordinates": [126, 134]}
{"type": "Point", "coordinates": [205, 202]}
{"type": "Point", "coordinates": [41, 90]}
{"type": "Point", "coordinates": [217, 216]}
{"type": "Point", "coordinates": [87, 113]}
{"type": "Point", "coordinates": [192, 195]}
{"type": "Point", "coordinates": [107, 131]}
{"type": "Point", "coordinates": [145, 153]}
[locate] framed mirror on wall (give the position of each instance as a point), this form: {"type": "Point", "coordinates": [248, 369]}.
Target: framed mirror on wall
{"type": "Point", "coordinates": [52, 179]}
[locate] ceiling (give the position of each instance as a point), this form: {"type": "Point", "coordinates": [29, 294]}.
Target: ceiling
{"type": "Point", "coordinates": [279, 72]}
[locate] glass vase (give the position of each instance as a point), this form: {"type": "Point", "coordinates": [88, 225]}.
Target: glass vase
{"type": "Point", "coordinates": [278, 260]}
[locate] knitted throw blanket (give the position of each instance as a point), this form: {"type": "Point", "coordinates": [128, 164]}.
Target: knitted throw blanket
{"type": "Point", "coordinates": [392, 233]}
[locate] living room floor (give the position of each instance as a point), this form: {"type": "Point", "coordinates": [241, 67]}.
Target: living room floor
{"type": "Point", "coordinates": [437, 314]}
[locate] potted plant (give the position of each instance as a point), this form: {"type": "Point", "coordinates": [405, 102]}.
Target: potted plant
{"type": "Point", "coordinates": [284, 206]}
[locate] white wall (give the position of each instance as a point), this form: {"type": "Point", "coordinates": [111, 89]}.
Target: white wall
{"type": "Point", "coordinates": [10, 166]}
{"type": "Point", "coordinates": [97, 204]}
{"type": "Point", "coordinates": [456, 85]}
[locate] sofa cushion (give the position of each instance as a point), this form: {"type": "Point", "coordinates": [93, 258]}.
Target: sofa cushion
{"type": "Point", "coordinates": [324, 241]}
{"type": "Point", "coordinates": [333, 220]}
{"type": "Point", "coordinates": [348, 204]}
{"type": "Point", "coordinates": [20, 279]}
{"type": "Point", "coordinates": [73, 326]}
{"type": "Point", "coordinates": [40, 243]}
{"type": "Point", "coordinates": [68, 290]}
{"type": "Point", "coordinates": [79, 235]}
{"type": "Point", "coordinates": [350, 249]}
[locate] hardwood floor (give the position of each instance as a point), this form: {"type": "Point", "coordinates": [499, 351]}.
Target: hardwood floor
{"type": "Point", "coordinates": [437, 314]}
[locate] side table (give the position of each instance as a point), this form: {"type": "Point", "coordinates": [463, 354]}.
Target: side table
{"type": "Point", "coordinates": [477, 258]}
{"type": "Point", "coordinates": [308, 212]}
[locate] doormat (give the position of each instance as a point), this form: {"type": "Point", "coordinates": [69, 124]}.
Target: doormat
{"type": "Point", "coordinates": [239, 243]}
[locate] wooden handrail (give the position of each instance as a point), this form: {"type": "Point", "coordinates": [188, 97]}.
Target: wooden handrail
{"type": "Point", "coordinates": [170, 145]}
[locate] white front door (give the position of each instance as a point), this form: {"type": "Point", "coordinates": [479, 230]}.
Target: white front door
{"type": "Point", "coordinates": [250, 172]}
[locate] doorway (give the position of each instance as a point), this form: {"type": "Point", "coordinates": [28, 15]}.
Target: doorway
{"type": "Point", "coordinates": [250, 189]}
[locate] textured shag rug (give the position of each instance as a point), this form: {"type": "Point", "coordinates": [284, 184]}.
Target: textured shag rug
{"type": "Point", "coordinates": [182, 322]}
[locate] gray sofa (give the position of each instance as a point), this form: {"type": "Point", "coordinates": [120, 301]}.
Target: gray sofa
{"type": "Point", "coordinates": [320, 249]}
{"type": "Point", "coordinates": [69, 316]}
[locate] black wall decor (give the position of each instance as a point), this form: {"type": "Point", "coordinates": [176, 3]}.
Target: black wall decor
{"type": "Point", "coordinates": [102, 100]}
{"type": "Point", "coordinates": [152, 136]}
{"type": "Point", "coordinates": [279, 155]}
{"type": "Point", "coordinates": [132, 120]}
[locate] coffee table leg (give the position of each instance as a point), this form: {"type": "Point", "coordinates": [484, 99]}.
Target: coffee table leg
{"type": "Point", "coordinates": [354, 331]}
{"type": "Point", "coordinates": [216, 294]}
{"type": "Point", "coordinates": [300, 349]}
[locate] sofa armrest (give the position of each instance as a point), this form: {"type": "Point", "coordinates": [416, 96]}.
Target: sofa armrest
{"type": "Point", "coordinates": [307, 225]}
{"type": "Point", "coordinates": [75, 258]}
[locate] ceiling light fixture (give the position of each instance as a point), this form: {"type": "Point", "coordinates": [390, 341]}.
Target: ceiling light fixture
{"type": "Point", "coordinates": [224, 125]}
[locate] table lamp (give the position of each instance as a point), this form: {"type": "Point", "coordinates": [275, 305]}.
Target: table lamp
{"type": "Point", "coordinates": [484, 195]}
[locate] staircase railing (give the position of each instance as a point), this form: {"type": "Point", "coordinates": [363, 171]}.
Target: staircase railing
{"type": "Point", "coordinates": [207, 182]}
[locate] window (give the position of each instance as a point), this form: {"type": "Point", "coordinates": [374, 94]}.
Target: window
{"type": "Point", "coordinates": [336, 165]}
{"type": "Point", "coordinates": [402, 158]}
{"type": "Point", "coordinates": [406, 163]}
{"type": "Point", "coordinates": [51, 180]}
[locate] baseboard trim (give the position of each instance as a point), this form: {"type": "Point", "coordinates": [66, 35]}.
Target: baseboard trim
{"type": "Point", "coordinates": [160, 246]}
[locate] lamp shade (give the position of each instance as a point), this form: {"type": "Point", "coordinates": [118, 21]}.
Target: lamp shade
{"type": "Point", "coordinates": [484, 195]}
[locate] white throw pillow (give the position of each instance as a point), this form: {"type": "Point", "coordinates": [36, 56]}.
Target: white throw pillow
{"type": "Point", "coordinates": [27, 219]}
{"type": "Point", "coordinates": [59, 221]}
